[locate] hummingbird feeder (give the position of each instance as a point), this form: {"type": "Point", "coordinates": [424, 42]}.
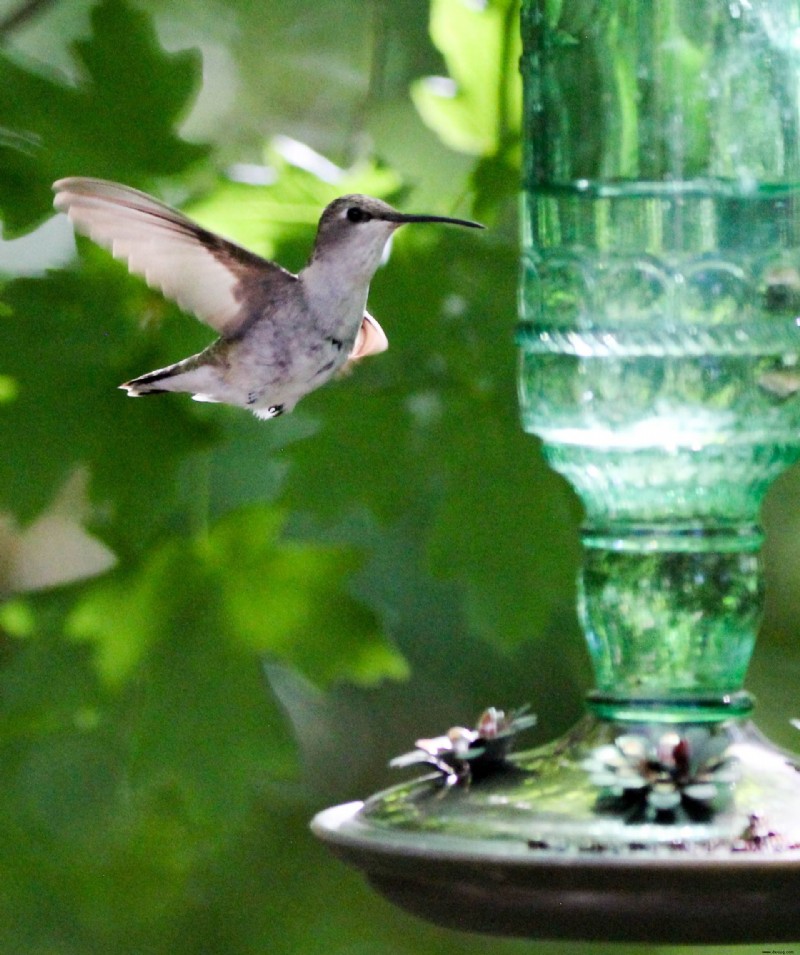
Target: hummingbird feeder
{"type": "Point", "coordinates": [659, 344]}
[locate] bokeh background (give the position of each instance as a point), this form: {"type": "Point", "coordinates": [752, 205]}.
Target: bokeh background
{"type": "Point", "coordinates": [212, 627]}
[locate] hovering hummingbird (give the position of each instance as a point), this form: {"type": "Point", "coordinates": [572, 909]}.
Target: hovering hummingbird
{"type": "Point", "coordinates": [281, 335]}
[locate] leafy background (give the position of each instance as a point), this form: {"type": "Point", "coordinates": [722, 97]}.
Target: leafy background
{"type": "Point", "coordinates": [213, 627]}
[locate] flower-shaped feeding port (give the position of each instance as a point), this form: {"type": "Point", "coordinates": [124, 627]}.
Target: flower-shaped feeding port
{"type": "Point", "coordinates": [666, 777]}
{"type": "Point", "coordinates": [464, 755]}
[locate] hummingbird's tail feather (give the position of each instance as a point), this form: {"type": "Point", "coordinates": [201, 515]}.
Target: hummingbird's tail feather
{"type": "Point", "coordinates": [145, 384]}
{"type": "Point", "coordinates": [189, 375]}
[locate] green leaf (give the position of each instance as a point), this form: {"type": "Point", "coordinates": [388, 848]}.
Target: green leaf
{"type": "Point", "coordinates": [114, 798]}
{"type": "Point", "coordinates": [117, 123]}
{"type": "Point", "coordinates": [477, 109]}
{"type": "Point", "coordinates": [255, 591]}
{"type": "Point", "coordinates": [262, 217]}
{"type": "Point", "coordinates": [70, 340]}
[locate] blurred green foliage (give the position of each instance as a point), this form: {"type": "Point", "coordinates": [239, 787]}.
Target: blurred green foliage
{"type": "Point", "coordinates": [98, 123]}
{"type": "Point", "coordinates": [292, 602]}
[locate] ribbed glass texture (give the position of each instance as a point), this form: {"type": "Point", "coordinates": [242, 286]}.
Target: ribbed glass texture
{"type": "Point", "coordinates": [659, 341]}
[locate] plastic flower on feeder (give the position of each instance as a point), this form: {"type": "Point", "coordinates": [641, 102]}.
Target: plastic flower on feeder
{"type": "Point", "coordinates": [666, 777]}
{"type": "Point", "coordinates": [464, 755]}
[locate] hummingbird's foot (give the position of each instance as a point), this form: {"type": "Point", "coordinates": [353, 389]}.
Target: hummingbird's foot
{"type": "Point", "coordinates": [272, 411]}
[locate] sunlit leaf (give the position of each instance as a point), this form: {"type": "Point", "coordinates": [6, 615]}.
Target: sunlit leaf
{"type": "Point", "coordinates": [477, 108]}
{"type": "Point", "coordinates": [259, 593]}
{"type": "Point", "coordinates": [298, 185]}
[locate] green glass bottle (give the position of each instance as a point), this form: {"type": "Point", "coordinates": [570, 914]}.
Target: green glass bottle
{"type": "Point", "coordinates": [659, 338]}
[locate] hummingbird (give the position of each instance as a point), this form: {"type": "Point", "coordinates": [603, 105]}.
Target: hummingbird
{"type": "Point", "coordinates": [281, 335]}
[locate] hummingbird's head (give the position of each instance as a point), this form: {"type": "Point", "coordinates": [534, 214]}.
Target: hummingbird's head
{"type": "Point", "coordinates": [355, 230]}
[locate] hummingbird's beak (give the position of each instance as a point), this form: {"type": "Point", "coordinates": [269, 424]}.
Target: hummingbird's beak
{"type": "Point", "coordinates": [401, 219]}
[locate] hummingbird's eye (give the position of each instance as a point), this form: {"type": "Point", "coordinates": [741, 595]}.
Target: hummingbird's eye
{"type": "Point", "coordinates": [357, 214]}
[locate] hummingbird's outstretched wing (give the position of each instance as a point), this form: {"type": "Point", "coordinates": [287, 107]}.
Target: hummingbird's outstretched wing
{"type": "Point", "coordinates": [221, 283]}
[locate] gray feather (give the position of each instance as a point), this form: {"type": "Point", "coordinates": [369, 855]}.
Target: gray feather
{"type": "Point", "coordinates": [221, 283]}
